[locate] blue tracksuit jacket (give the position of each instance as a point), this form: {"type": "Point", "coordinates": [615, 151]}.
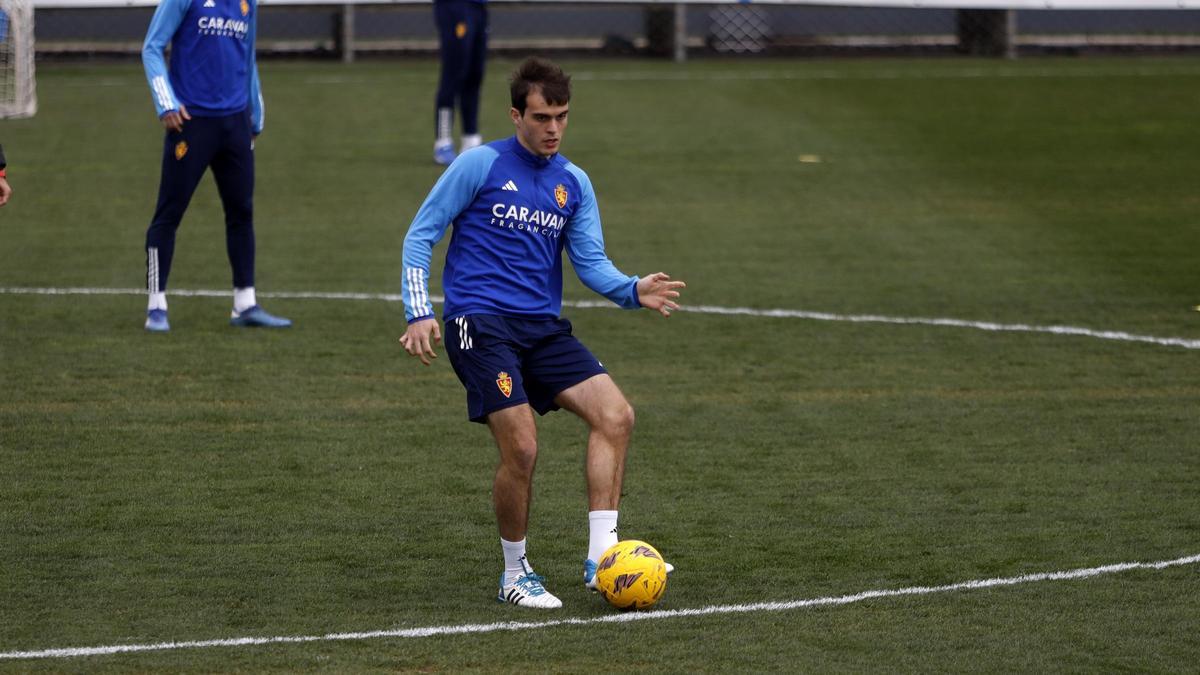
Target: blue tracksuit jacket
{"type": "Point", "coordinates": [513, 214]}
{"type": "Point", "coordinates": [213, 71]}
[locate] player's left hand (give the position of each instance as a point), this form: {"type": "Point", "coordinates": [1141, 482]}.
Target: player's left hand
{"type": "Point", "coordinates": [657, 291]}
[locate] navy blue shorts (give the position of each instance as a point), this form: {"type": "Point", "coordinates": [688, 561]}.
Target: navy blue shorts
{"type": "Point", "coordinates": [506, 361]}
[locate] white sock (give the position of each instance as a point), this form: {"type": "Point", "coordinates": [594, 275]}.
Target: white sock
{"type": "Point", "coordinates": [445, 126]}
{"type": "Point", "coordinates": [602, 526]}
{"type": "Point", "coordinates": [243, 299]}
{"type": "Point", "coordinates": [471, 141]}
{"type": "Point", "coordinates": [515, 564]}
{"type": "Point", "coordinates": [157, 301]}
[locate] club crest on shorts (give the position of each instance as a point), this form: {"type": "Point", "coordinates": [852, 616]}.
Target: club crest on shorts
{"type": "Point", "coordinates": [181, 149]}
{"type": "Point", "coordinates": [560, 195]}
{"type": "Point", "coordinates": [505, 383]}
{"type": "Point", "coordinates": [460, 30]}
{"type": "Point", "coordinates": [245, 8]}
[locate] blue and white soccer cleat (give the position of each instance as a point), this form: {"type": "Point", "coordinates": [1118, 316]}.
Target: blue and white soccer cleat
{"type": "Point", "coordinates": [589, 574]}
{"type": "Point", "coordinates": [444, 153]}
{"type": "Point", "coordinates": [527, 591]}
{"type": "Point", "coordinates": [257, 317]}
{"type": "Point", "coordinates": [156, 321]}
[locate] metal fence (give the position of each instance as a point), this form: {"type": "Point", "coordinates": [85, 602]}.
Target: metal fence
{"type": "Point", "coordinates": [660, 29]}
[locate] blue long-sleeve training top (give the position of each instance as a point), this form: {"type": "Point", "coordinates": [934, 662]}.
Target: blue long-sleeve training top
{"type": "Point", "coordinates": [513, 214]}
{"type": "Point", "coordinates": [213, 70]}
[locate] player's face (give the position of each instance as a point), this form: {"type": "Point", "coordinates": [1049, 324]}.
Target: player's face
{"type": "Point", "coordinates": [541, 128]}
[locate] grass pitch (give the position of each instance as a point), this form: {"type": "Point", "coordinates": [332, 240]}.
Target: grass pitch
{"type": "Point", "coordinates": [215, 483]}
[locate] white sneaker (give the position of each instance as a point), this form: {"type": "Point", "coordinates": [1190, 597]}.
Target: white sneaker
{"type": "Point", "coordinates": [468, 142]}
{"type": "Point", "coordinates": [527, 591]}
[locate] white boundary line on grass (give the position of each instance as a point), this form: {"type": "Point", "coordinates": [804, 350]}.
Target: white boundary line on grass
{"type": "Point", "coordinates": [1120, 336]}
{"type": "Point", "coordinates": [473, 629]}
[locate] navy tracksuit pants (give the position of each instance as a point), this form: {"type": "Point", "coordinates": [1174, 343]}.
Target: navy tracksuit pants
{"type": "Point", "coordinates": [462, 37]}
{"type": "Point", "coordinates": [223, 143]}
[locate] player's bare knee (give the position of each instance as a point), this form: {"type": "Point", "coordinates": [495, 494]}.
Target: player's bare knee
{"type": "Point", "coordinates": [520, 458]}
{"type": "Point", "coordinates": [616, 420]}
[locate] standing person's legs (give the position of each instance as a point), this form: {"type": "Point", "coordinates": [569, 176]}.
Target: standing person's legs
{"type": "Point", "coordinates": [452, 26]}
{"type": "Point", "coordinates": [233, 169]}
{"type": "Point", "coordinates": [472, 82]}
{"type": "Point", "coordinates": [186, 155]}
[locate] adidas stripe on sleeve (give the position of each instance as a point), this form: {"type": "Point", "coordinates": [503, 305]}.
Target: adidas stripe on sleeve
{"type": "Point", "coordinates": [452, 193]}
{"type": "Point", "coordinates": [166, 21]}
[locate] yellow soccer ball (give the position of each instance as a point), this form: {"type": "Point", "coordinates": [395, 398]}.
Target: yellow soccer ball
{"type": "Point", "coordinates": [631, 575]}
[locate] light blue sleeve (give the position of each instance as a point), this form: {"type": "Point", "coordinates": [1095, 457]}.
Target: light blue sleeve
{"type": "Point", "coordinates": [166, 21]}
{"type": "Point", "coordinates": [258, 110]}
{"type": "Point", "coordinates": [451, 195]}
{"type": "Point", "coordinates": [585, 248]}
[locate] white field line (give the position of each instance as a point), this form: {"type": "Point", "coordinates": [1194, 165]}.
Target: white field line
{"type": "Point", "coordinates": [1119, 336]}
{"type": "Point", "coordinates": [472, 629]}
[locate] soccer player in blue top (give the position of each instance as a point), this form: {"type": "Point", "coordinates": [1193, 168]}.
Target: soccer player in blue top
{"type": "Point", "coordinates": [516, 204]}
{"type": "Point", "coordinates": [210, 103]}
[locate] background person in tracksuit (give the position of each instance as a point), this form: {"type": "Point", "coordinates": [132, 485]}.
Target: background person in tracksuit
{"type": "Point", "coordinates": [462, 38]}
{"type": "Point", "coordinates": [210, 103]}
{"type": "Point", "coordinates": [516, 205]}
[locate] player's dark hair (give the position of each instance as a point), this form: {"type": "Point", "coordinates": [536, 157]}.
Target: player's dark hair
{"type": "Point", "coordinates": [539, 75]}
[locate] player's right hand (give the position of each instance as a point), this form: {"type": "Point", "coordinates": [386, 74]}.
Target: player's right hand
{"type": "Point", "coordinates": [421, 337]}
{"type": "Point", "coordinates": [174, 119]}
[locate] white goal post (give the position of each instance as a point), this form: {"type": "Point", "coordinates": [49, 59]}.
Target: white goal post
{"type": "Point", "coordinates": [18, 92]}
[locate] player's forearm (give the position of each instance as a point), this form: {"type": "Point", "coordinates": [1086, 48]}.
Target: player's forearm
{"type": "Point", "coordinates": [620, 289]}
{"type": "Point", "coordinates": [585, 248]}
{"type": "Point", "coordinates": [162, 27]}
{"type": "Point", "coordinates": [414, 284]}
{"type": "Point", "coordinates": [258, 108]}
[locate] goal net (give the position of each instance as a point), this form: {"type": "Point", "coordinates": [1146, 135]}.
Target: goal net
{"type": "Point", "coordinates": [18, 96]}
